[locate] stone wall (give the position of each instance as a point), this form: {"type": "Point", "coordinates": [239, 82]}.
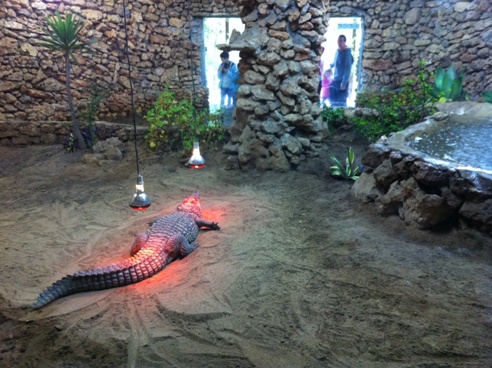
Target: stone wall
{"type": "Point", "coordinates": [277, 120]}
{"type": "Point", "coordinates": [32, 81]}
{"type": "Point", "coordinates": [399, 34]}
{"type": "Point", "coordinates": [277, 115]}
{"type": "Point", "coordinates": [54, 132]}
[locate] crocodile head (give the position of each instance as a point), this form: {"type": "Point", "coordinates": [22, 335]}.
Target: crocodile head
{"type": "Point", "coordinates": [191, 204]}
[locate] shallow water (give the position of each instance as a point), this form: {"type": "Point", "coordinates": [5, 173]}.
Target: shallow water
{"type": "Point", "coordinates": [464, 143]}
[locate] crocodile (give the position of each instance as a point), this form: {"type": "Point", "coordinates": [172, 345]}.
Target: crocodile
{"type": "Point", "coordinates": [167, 238]}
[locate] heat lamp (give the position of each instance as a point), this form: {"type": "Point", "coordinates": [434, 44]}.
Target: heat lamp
{"type": "Point", "coordinates": [196, 161]}
{"type": "Point", "coordinates": [140, 200]}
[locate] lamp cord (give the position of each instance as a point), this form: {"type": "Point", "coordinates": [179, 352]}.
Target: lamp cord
{"type": "Point", "coordinates": [131, 85]}
{"type": "Point", "coordinates": [191, 54]}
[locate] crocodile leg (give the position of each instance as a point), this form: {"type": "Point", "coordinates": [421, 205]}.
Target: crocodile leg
{"type": "Point", "coordinates": [186, 248]}
{"type": "Point", "coordinates": [139, 242]}
{"type": "Point", "coordinates": [208, 224]}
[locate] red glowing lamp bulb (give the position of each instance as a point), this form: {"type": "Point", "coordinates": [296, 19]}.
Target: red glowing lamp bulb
{"type": "Point", "coordinates": [196, 161]}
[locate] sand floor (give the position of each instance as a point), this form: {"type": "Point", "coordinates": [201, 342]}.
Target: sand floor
{"type": "Point", "coordinates": [298, 276]}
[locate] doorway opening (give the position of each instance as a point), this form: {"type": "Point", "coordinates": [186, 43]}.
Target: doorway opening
{"type": "Point", "coordinates": [352, 28]}
{"type": "Point", "coordinates": [217, 31]}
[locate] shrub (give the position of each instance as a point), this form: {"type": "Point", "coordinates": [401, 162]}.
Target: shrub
{"type": "Point", "coordinates": [393, 111]}
{"type": "Point", "coordinates": [335, 117]}
{"type": "Point", "coordinates": [97, 93]}
{"type": "Point", "coordinates": [174, 125]}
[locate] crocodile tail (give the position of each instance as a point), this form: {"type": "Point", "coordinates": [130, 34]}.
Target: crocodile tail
{"type": "Point", "coordinates": [125, 273]}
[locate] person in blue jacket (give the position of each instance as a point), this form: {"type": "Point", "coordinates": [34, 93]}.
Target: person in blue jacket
{"type": "Point", "coordinates": [227, 74]}
{"type": "Point", "coordinates": [343, 67]}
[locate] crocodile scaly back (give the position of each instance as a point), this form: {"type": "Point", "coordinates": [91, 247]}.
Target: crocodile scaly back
{"type": "Point", "coordinates": [167, 238]}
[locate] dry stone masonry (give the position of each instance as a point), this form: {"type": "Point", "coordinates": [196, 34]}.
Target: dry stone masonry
{"type": "Point", "coordinates": [32, 81]}
{"type": "Point", "coordinates": [54, 132]}
{"type": "Point", "coordinates": [277, 116]}
{"type": "Point", "coordinates": [278, 122]}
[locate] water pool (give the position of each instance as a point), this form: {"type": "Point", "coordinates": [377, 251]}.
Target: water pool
{"type": "Point", "coordinates": [463, 141]}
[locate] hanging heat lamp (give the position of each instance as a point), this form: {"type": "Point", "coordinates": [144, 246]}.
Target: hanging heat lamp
{"type": "Point", "coordinates": [140, 200]}
{"type": "Point", "coordinates": [196, 161]}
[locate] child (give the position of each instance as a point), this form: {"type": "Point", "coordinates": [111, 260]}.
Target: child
{"type": "Point", "coordinates": [325, 86]}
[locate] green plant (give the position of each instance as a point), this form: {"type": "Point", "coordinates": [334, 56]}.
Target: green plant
{"type": "Point", "coordinates": [487, 96]}
{"type": "Point", "coordinates": [174, 125]}
{"type": "Point", "coordinates": [64, 35]}
{"type": "Point", "coordinates": [97, 93]}
{"type": "Point", "coordinates": [349, 171]}
{"type": "Point", "coordinates": [335, 117]}
{"type": "Point", "coordinates": [210, 128]}
{"type": "Point", "coordinates": [392, 111]}
{"type": "Point", "coordinates": [448, 85]}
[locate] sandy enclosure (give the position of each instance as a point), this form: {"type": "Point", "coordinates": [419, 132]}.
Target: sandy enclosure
{"type": "Point", "coordinates": [298, 276]}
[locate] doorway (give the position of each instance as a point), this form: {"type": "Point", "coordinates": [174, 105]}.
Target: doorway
{"type": "Point", "coordinates": [217, 31]}
{"type": "Point", "coordinates": [352, 28]}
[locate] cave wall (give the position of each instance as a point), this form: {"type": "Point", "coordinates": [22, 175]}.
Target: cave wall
{"type": "Point", "coordinates": [277, 120]}
{"type": "Point", "coordinates": [32, 79]}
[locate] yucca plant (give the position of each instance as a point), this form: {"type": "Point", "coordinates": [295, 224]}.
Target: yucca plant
{"type": "Point", "coordinates": [448, 85]}
{"type": "Point", "coordinates": [64, 35]}
{"type": "Point", "coordinates": [350, 171]}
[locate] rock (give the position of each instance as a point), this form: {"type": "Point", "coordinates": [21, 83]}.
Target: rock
{"type": "Point", "coordinates": [385, 174]}
{"type": "Point", "coordinates": [270, 126]}
{"type": "Point", "coordinates": [289, 87]}
{"type": "Point", "coordinates": [113, 153]}
{"type": "Point", "coordinates": [365, 188]}
{"type": "Point", "coordinates": [252, 77]}
{"type": "Point", "coordinates": [391, 202]}
{"type": "Point", "coordinates": [92, 158]}
{"type": "Point", "coordinates": [425, 210]}
{"type": "Point", "coordinates": [412, 16]}
{"type": "Point", "coordinates": [291, 144]}
{"type": "Point", "coordinates": [478, 212]}
{"type": "Point", "coordinates": [268, 58]}
{"type": "Point", "coordinates": [110, 149]}
{"type": "Point", "coordinates": [261, 93]}
{"type": "Point", "coordinates": [51, 85]}
{"type": "Point", "coordinates": [428, 174]}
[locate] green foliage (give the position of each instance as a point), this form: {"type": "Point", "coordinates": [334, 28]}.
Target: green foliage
{"type": "Point", "coordinates": [350, 171]}
{"type": "Point", "coordinates": [487, 96]}
{"type": "Point", "coordinates": [211, 129]}
{"type": "Point", "coordinates": [97, 93]}
{"type": "Point", "coordinates": [392, 111]}
{"type": "Point", "coordinates": [448, 85]}
{"type": "Point", "coordinates": [174, 125]}
{"type": "Point", "coordinates": [333, 116]}
{"type": "Point", "coordinates": [65, 35]}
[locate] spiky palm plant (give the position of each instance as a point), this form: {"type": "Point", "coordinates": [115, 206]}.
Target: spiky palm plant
{"type": "Point", "coordinates": [63, 35]}
{"type": "Point", "coordinates": [349, 171]}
